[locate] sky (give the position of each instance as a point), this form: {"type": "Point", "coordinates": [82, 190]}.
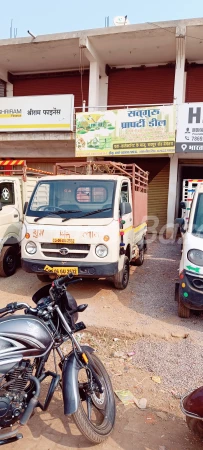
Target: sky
{"type": "Point", "coordinates": [50, 16]}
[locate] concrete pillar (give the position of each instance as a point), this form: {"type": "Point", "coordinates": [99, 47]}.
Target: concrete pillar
{"type": "Point", "coordinates": [9, 90]}
{"type": "Point", "coordinates": [180, 76]}
{"type": "Point", "coordinates": [94, 86]}
{"type": "Point", "coordinates": [179, 97]}
{"type": "Point", "coordinates": [3, 75]}
{"type": "Point", "coordinates": [103, 91]}
{"type": "Point", "coordinates": [172, 191]}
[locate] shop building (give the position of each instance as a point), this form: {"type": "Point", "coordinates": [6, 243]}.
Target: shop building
{"type": "Point", "coordinates": [109, 68]}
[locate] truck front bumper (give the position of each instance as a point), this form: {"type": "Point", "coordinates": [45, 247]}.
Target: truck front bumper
{"type": "Point", "coordinates": [191, 290]}
{"type": "Point", "coordinates": [94, 270]}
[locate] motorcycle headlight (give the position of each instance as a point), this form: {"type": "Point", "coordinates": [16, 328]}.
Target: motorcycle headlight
{"type": "Point", "coordinates": [196, 257]}
{"type": "Point", "coordinates": [31, 248]}
{"type": "Point", "coordinates": [101, 251]}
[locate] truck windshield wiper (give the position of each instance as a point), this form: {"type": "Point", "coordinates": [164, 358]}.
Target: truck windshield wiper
{"type": "Point", "coordinates": [57, 213]}
{"type": "Point", "coordinates": [88, 214]}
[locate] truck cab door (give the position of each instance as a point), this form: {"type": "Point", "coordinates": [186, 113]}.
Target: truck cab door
{"type": "Point", "coordinates": [10, 224]}
{"type": "Point", "coordinates": [125, 197]}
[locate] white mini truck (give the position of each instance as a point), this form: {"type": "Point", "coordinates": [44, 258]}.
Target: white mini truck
{"type": "Point", "coordinates": [17, 182]}
{"type": "Point", "coordinates": [189, 290]}
{"type": "Point", "coordinates": [89, 219]}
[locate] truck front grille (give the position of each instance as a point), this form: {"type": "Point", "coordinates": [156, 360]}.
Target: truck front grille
{"type": "Point", "coordinates": [75, 251]}
{"type": "Point", "coordinates": [52, 246]}
{"type": "Point", "coordinates": [68, 256]}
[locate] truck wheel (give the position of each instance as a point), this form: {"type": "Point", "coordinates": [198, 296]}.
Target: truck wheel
{"type": "Point", "coordinates": [43, 278]}
{"type": "Point", "coordinates": [176, 292]}
{"type": "Point", "coordinates": [145, 244]}
{"type": "Point", "coordinates": [8, 261]}
{"type": "Point", "coordinates": [121, 278]}
{"type": "Point", "coordinates": [139, 261]}
{"type": "Point", "coordinates": [183, 311]}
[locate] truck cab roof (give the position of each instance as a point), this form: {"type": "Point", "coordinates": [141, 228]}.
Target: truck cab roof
{"type": "Point", "coordinates": [84, 177]}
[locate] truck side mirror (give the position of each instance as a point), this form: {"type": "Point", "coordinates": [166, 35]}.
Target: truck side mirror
{"type": "Point", "coordinates": [25, 207]}
{"type": "Point", "coordinates": [181, 223]}
{"type": "Point", "coordinates": [125, 208]}
{"type": "Point", "coordinates": [183, 205]}
{"type": "Point", "coordinates": [0, 206]}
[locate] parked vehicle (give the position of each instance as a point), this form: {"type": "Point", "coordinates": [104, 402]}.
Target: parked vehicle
{"type": "Point", "coordinates": [15, 190]}
{"type": "Point", "coordinates": [26, 343]}
{"type": "Point", "coordinates": [92, 223]}
{"type": "Point", "coordinates": [189, 188]}
{"type": "Point", "coordinates": [189, 290]}
{"type": "Point", "coordinates": [192, 406]}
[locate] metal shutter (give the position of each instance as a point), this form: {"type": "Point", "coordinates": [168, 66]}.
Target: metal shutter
{"type": "Point", "coordinates": [148, 85]}
{"type": "Point", "coordinates": [2, 88]}
{"type": "Point", "coordinates": [158, 169]}
{"type": "Point", "coordinates": [158, 197]}
{"type": "Point", "coordinates": [194, 84]}
{"type": "Point", "coordinates": [48, 84]}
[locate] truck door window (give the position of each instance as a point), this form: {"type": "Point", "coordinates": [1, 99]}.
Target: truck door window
{"type": "Point", "coordinates": [7, 195]}
{"type": "Point", "coordinates": [41, 197]}
{"type": "Point", "coordinates": [198, 218]}
{"type": "Point", "coordinates": [124, 193]}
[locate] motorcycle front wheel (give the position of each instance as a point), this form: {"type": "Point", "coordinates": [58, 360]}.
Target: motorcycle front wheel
{"type": "Point", "coordinates": [195, 425]}
{"type": "Point", "coordinates": [96, 413]}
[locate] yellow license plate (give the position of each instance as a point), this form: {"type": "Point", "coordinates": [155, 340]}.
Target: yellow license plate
{"type": "Point", "coordinates": [61, 270]}
{"type": "Point", "coordinates": [63, 241]}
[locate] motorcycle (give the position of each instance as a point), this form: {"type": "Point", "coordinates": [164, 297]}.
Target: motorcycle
{"type": "Point", "coordinates": [26, 343]}
{"type": "Point", "coordinates": [192, 406]}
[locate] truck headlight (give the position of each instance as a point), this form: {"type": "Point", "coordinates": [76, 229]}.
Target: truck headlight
{"type": "Point", "coordinates": [31, 248]}
{"type": "Point", "coordinates": [101, 251]}
{"type": "Point", "coordinates": [196, 257]}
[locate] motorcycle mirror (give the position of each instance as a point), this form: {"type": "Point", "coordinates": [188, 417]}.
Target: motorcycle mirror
{"type": "Point", "coordinates": [82, 308]}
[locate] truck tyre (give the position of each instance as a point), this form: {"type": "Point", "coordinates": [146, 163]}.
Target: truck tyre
{"type": "Point", "coordinates": [121, 278]}
{"type": "Point", "coordinates": [176, 292]}
{"type": "Point", "coordinates": [8, 261]}
{"type": "Point", "coordinates": [183, 311]}
{"type": "Point", "coordinates": [139, 261]}
{"type": "Point", "coordinates": [145, 244]}
{"type": "Point", "coordinates": [43, 278]}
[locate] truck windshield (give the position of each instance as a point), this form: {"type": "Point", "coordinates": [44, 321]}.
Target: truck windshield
{"type": "Point", "coordinates": [72, 199]}
{"type": "Point", "coordinates": [197, 227]}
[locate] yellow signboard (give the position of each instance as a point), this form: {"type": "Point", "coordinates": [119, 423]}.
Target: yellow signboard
{"type": "Point", "coordinates": [149, 130]}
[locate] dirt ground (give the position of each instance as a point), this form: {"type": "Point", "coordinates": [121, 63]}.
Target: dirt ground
{"type": "Point", "coordinates": [143, 315]}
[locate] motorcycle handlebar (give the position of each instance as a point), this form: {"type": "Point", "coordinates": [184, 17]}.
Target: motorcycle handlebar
{"type": "Point", "coordinates": [65, 279]}
{"type": "Point", "coordinates": [11, 307]}
{"type": "Point", "coordinates": [3, 310]}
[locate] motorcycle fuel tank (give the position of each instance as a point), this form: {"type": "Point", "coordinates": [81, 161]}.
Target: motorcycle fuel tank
{"type": "Point", "coordinates": [193, 403]}
{"type": "Point", "coordinates": [22, 336]}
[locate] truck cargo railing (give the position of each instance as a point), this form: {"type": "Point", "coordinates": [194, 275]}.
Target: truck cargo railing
{"type": "Point", "coordinates": [138, 177]}
{"type": "Point", "coordinates": [18, 167]}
